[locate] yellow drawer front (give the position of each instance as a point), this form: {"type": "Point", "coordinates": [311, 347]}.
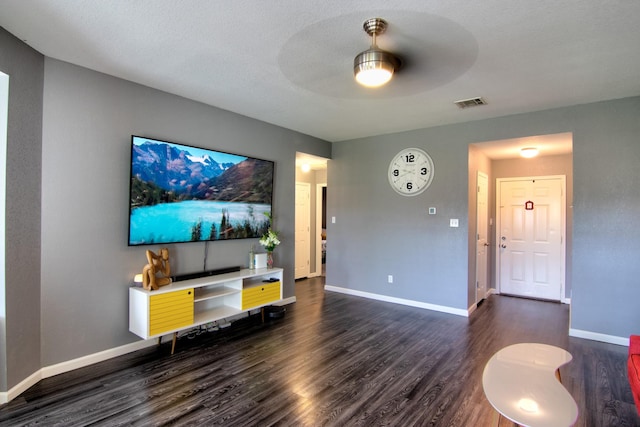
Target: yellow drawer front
{"type": "Point", "coordinates": [260, 295]}
{"type": "Point", "coordinates": [170, 311]}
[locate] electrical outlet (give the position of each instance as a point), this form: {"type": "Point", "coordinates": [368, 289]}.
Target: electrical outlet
{"type": "Point", "coordinates": [390, 278]}
{"type": "Point", "coordinates": [453, 222]}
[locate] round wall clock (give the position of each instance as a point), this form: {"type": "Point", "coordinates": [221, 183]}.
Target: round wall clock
{"type": "Point", "coordinates": [411, 171]}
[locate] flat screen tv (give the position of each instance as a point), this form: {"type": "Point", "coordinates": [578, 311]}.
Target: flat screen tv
{"type": "Point", "coordinates": [179, 193]}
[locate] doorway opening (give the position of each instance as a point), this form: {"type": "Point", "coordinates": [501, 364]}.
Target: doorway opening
{"type": "Point", "coordinates": [499, 160]}
{"type": "Point", "coordinates": [303, 231]}
{"type": "Point", "coordinates": [312, 171]}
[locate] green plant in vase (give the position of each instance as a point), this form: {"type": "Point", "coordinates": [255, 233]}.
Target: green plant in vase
{"type": "Point", "coordinates": [270, 240]}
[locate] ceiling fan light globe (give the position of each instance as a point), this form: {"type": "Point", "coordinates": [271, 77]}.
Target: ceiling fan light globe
{"type": "Point", "coordinates": [374, 67]}
{"type": "Point", "coordinates": [374, 77]}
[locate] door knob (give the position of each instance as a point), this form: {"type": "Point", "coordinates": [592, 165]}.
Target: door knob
{"type": "Point", "coordinates": [503, 246]}
{"type": "Point", "coordinates": [486, 244]}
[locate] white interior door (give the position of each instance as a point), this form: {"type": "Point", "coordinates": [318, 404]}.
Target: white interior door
{"type": "Point", "coordinates": [303, 232]}
{"type": "Point", "coordinates": [482, 241]}
{"type": "Point", "coordinates": [531, 237]}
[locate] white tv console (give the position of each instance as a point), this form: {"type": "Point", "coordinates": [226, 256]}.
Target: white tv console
{"type": "Point", "coordinates": [194, 302]}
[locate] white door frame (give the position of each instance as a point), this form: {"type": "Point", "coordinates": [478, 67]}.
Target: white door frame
{"type": "Point", "coordinates": [486, 231]}
{"type": "Point", "coordinates": [318, 269]}
{"type": "Point", "coordinates": [4, 120]}
{"type": "Point", "coordinates": [563, 227]}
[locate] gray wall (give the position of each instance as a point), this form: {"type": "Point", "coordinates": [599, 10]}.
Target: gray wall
{"type": "Point", "coordinates": [606, 228]}
{"type": "Point", "coordinates": [378, 232]}
{"type": "Point", "coordinates": [88, 121]}
{"type": "Point", "coordinates": [20, 335]}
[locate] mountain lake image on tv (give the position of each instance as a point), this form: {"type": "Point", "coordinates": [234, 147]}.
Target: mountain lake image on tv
{"type": "Point", "coordinates": [180, 193]}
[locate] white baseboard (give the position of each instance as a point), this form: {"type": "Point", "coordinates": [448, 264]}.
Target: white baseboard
{"type": "Point", "coordinates": [595, 336]}
{"type": "Point", "coordinates": [70, 365]}
{"type": "Point", "coordinates": [472, 308]}
{"type": "Point", "coordinates": [21, 387]}
{"type": "Point", "coordinates": [487, 294]}
{"type": "Point", "coordinates": [411, 303]}
{"type": "Point", "coordinates": [81, 362]}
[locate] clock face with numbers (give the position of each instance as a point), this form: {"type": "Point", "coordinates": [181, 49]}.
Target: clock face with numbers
{"type": "Point", "coordinates": [411, 172]}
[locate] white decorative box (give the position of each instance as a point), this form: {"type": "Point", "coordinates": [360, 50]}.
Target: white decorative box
{"type": "Point", "coordinates": [260, 261]}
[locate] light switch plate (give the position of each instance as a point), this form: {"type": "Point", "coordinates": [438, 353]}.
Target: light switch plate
{"type": "Point", "coordinates": [432, 211]}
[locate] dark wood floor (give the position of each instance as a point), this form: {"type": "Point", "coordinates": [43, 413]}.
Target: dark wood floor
{"type": "Point", "coordinates": [333, 360]}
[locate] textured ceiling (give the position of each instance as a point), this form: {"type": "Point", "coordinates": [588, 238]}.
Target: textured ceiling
{"type": "Point", "coordinates": [289, 62]}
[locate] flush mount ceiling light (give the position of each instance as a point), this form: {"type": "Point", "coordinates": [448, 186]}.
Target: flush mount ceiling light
{"type": "Point", "coordinates": [529, 152]}
{"type": "Point", "coordinates": [374, 67]}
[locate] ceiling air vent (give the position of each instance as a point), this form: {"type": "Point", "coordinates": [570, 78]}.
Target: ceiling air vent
{"type": "Point", "coordinates": [471, 102]}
